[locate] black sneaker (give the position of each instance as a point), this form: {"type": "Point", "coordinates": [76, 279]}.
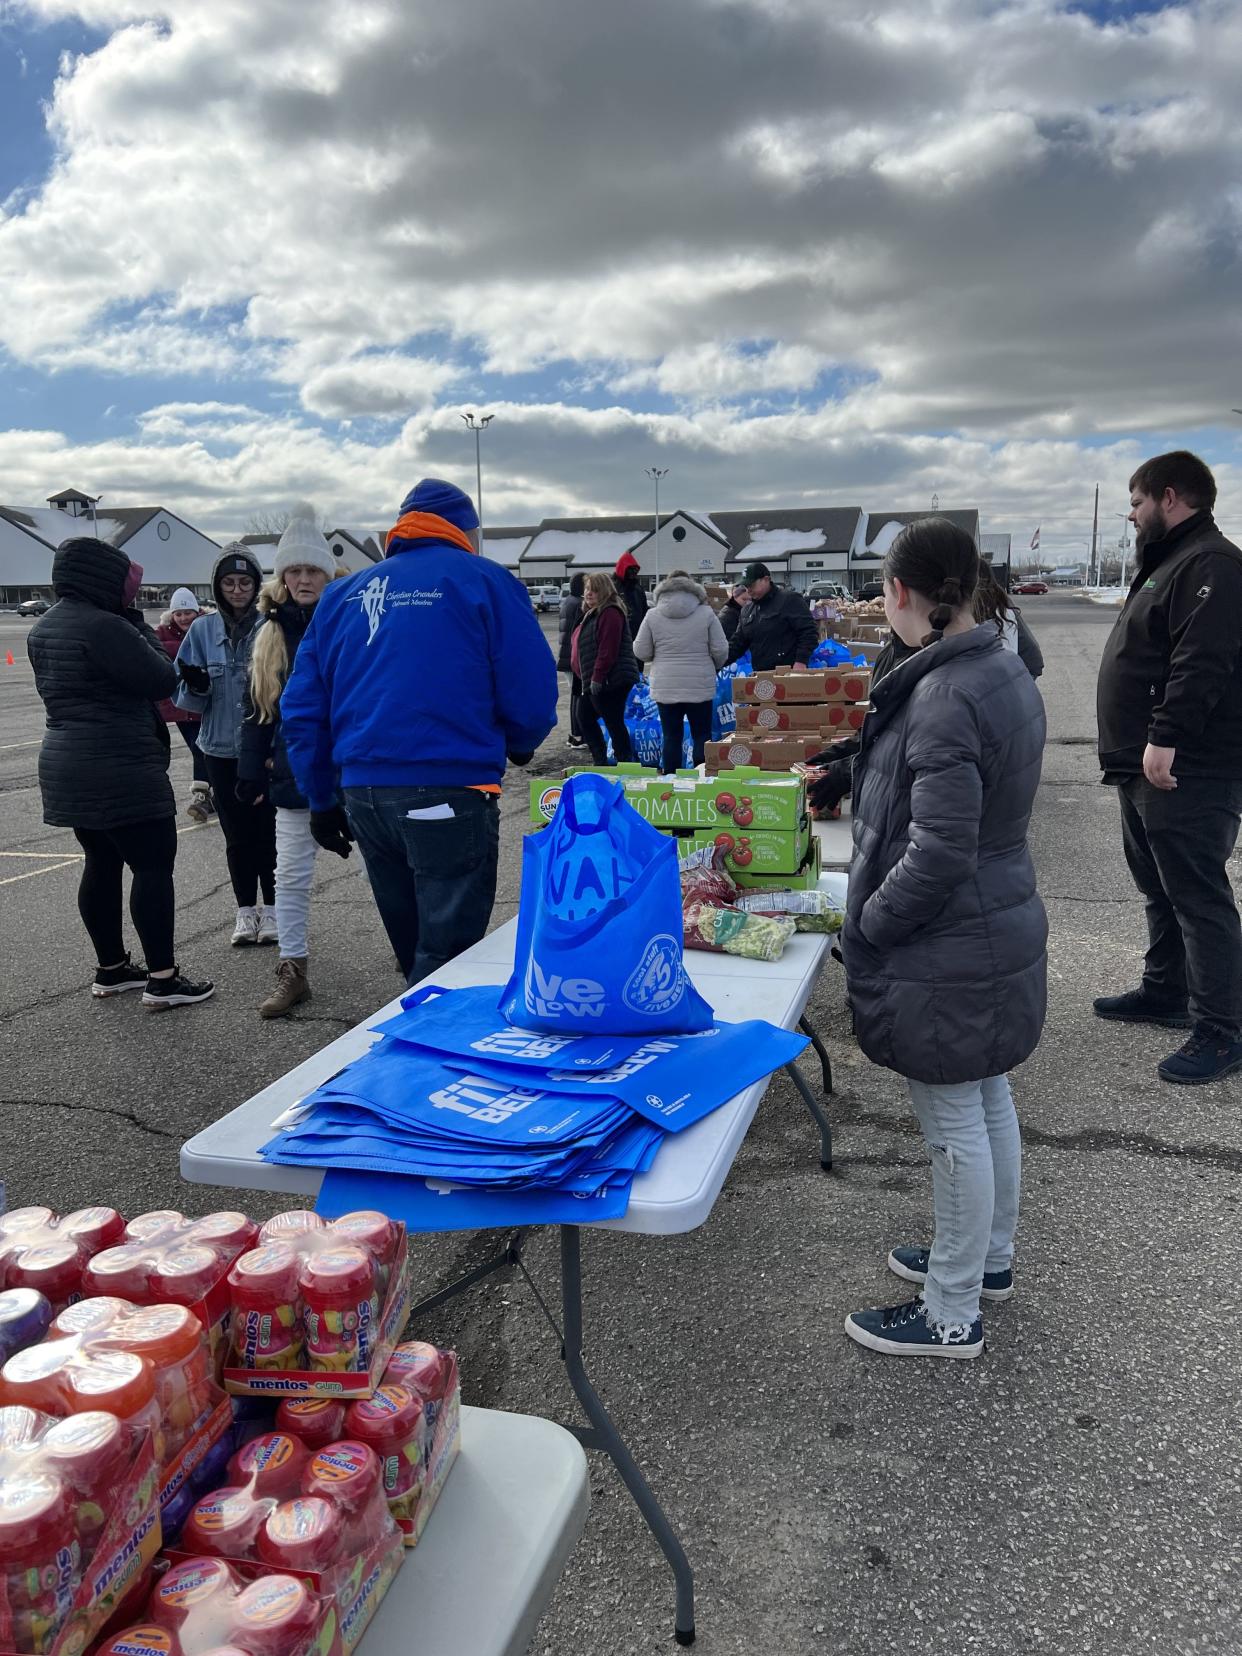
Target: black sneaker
{"type": "Point", "coordinates": [161, 993]}
{"type": "Point", "coordinates": [1136, 1006]}
{"type": "Point", "coordinates": [1209, 1055]}
{"type": "Point", "coordinates": [905, 1331]}
{"type": "Point", "coordinates": [911, 1265]}
{"type": "Point", "coordinates": [118, 980]}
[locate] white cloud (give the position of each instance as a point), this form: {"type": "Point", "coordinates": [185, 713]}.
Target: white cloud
{"type": "Point", "coordinates": [1012, 223]}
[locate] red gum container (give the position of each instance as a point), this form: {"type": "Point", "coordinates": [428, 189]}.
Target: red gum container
{"type": "Point", "coordinates": [273, 1615]}
{"type": "Point", "coordinates": [391, 1423]}
{"type": "Point", "coordinates": [304, 1535]}
{"type": "Point", "coordinates": [223, 1525]}
{"type": "Point", "coordinates": [272, 1465]}
{"type": "Point", "coordinates": [318, 1421]}
{"type": "Point", "coordinates": [146, 1639]}
{"type": "Point", "coordinates": [200, 1588]}
{"type": "Point", "coordinates": [89, 1452]}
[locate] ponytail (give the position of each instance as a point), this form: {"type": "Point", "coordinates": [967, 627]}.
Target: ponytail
{"type": "Point", "coordinates": [269, 660]}
{"type": "Point", "coordinates": [936, 559]}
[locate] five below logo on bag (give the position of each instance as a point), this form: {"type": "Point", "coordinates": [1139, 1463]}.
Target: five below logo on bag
{"type": "Point", "coordinates": [655, 985]}
{"type": "Point", "coordinates": [549, 994]}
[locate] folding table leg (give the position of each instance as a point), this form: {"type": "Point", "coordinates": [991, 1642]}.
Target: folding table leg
{"type": "Point", "coordinates": [817, 1115]}
{"type": "Point", "coordinates": [825, 1062]}
{"type": "Point", "coordinates": [604, 1435]}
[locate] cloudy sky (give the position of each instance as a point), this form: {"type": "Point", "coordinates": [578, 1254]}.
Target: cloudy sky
{"type": "Point", "coordinates": [793, 250]}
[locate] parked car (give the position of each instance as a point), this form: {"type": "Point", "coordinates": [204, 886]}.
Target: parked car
{"type": "Point", "coordinates": [827, 589]}
{"type": "Point", "coordinates": [871, 589]}
{"type": "Point", "coordinates": [34, 606]}
{"type": "Point", "coordinates": [545, 598]}
{"type": "Point", "coordinates": [1030, 589]}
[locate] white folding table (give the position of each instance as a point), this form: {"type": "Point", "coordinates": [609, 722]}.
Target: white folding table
{"type": "Point", "coordinates": [674, 1196]}
{"type": "Point", "coordinates": [515, 1502]}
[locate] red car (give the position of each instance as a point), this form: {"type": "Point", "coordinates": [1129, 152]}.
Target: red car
{"type": "Point", "coordinates": [1029, 588]}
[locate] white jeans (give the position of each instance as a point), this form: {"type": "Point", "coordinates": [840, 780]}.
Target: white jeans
{"type": "Point", "coordinates": [295, 869]}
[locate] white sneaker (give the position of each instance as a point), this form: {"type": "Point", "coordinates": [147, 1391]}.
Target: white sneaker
{"type": "Point", "coordinates": [267, 926]}
{"type": "Point", "coordinates": [245, 928]}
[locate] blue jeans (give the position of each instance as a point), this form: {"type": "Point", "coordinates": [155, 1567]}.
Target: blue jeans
{"type": "Point", "coordinates": [433, 878]}
{"type": "Point", "coordinates": [976, 1155]}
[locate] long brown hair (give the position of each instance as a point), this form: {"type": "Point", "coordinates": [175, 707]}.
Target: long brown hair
{"type": "Point", "coordinates": [269, 660]}
{"type": "Point", "coordinates": [606, 594]}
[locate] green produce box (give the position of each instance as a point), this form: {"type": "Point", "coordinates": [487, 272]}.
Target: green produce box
{"type": "Point", "coordinates": [745, 800]}
{"type": "Point", "coordinates": [750, 851]}
{"type": "Point", "coordinates": [806, 879]}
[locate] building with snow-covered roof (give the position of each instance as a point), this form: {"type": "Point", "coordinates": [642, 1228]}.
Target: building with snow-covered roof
{"type": "Point", "coordinates": [353, 549]}
{"type": "Point", "coordinates": [505, 546]}
{"type": "Point", "coordinates": [878, 530]}
{"type": "Point", "coordinates": [997, 552]}
{"type": "Point", "coordinates": [560, 546]}
{"type": "Point", "coordinates": [170, 551]}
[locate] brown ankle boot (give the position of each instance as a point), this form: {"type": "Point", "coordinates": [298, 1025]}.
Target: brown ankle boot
{"type": "Point", "coordinates": [291, 987]}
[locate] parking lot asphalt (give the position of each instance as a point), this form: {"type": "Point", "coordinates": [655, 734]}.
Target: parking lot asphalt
{"type": "Point", "coordinates": [1078, 1489]}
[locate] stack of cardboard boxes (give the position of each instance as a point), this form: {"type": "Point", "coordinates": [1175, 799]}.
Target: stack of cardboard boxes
{"type": "Point", "coordinates": [758, 820]}
{"type": "Point", "coordinates": [784, 717]}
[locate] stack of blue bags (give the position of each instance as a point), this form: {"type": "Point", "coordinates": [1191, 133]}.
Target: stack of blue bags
{"type": "Point", "coordinates": [540, 1101]}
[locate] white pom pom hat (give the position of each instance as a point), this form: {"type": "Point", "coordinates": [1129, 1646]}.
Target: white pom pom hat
{"type": "Point", "coordinates": [302, 543]}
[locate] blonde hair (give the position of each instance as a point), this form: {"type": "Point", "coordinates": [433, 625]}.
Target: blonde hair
{"type": "Point", "coordinates": [269, 660]}
{"type": "Point", "coordinates": [605, 591]}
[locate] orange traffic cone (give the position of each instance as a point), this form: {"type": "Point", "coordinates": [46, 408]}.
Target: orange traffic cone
{"type": "Point", "coordinates": [8, 659]}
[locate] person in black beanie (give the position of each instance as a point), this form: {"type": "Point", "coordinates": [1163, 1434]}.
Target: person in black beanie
{"type": "Point", "coordinates": [100, 672]}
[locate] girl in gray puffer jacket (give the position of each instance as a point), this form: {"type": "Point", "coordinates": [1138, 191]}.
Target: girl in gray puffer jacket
{"type": "Point", "coordinates": [945, 934]}
{"type": "Point", "coordinates": [684, 642]}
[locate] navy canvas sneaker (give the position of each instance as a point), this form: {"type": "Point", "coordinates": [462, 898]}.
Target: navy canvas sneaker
{"type": "Point", "coordinates": [1209, 1055]}
{"type": "Point", "coordinates": [904, 1331]}
{"type": "Point", "coordinates": [911, 1263]}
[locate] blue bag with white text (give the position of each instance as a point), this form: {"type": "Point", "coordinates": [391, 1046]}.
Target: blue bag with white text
{"type": "Point", "coordinates": [599, 931]}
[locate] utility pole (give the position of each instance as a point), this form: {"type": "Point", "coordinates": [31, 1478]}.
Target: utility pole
{"type": "Point", "coordinates": [1124, 544]}
{"type": "Point", "coordinates": [1095, 540]}
{"type": "Point", "coordinates": [655, 473]}
{"type": "Point", "coordinates": [478, 427]}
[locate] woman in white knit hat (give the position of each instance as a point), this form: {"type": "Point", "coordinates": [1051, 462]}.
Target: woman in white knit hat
{"type": "Point", "coordinates": [304, 566]}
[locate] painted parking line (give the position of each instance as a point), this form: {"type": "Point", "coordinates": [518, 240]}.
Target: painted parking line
{"type": "Point", "coordinates": [6, 747]}
{"type": "Point", "coordinates": [63, 859]}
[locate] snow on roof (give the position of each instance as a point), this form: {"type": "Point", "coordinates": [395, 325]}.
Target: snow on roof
{"type": "Point", "coordinates": [54, 526]}
{"type": "Point", "coordinates": [586, 548]}
{"type": "Point", "coordinates": [705, 523]}
{"type": "Point", "coordinates": [779, 543]}
{"type": "Point", "coordinates": [504, 549]}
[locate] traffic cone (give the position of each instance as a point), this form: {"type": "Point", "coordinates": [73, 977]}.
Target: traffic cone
{"type": "Point", "coordinates": [8, 659]}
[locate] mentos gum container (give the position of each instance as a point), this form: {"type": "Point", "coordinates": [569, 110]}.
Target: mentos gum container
{"type": "Point", "coordinates": [292, 1226]}
{"type": "Point", "coordinates": [144, 1639]}
{"type": "Point", "coordinates": [40, 1558]}
{"type": "Point", "coordinates": [264, 1288]}
{"type": "Point", "coordinates": [272, 1465]}
{"type": "Point", "coordinates": [231, 1231]}
{"type": "Point", "coordinates": [25, 1317]}
{"type": "Point", "coordinates": [375, 1234]}
{"type": "Point", "coordinates": [88, 1452]}
{"type": "Point", "coordinates": [306, 1534]}
{"type": "Point", "coordinates": [317, 1421]}
{"type": "Point", "coordinates": [53, 1269]}
{"type": "Point", "coordinates": [392, 1423]}
{"type": "Point", "coordinates": [341, 1307]}
{"type": "Point", "coordinates": [273, 1615]}
{"type": "Point", "coordinates": [198, 1592]}
{"type": "Point", "coordinates": [94, 1227]}
{"type": "Point", "coordinates": [225, 1524]}
{"type": "Point", "coordinates": [346, 1473]}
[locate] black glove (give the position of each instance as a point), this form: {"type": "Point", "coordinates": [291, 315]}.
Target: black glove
{"type": "Point", "coordinates": [331, 830]}
{"type": "Point", "coordinates": [520, 758]}
{"type": "Point", "coordinates": [248, 792]}
{"type": "Point", "coordinates": [196, 679]}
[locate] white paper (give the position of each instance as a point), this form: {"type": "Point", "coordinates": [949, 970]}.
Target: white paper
{"type": "Point", "coordinates": [431, 813]}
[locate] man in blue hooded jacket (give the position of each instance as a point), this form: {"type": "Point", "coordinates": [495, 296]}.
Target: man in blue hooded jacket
{"type": "Point", "coordinates": [415, 683]}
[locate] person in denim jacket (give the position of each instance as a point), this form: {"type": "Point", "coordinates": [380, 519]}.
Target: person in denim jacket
{"type": "Point", "coordinates": [214, 667]}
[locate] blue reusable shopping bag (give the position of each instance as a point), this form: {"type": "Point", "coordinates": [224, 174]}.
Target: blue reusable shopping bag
{"type": "Point", "coordinates": [463, 1023]}
{"type": "Point", "coordinates": [599, 932]}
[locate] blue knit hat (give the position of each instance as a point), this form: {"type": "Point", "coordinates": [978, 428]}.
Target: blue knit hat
{"type": "Point", "coordinates": [433, 494]}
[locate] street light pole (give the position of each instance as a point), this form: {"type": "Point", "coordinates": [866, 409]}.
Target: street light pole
{"type": "Point", "coordinates": [1125, 543]}
{"type": "Point", "coordinates": [655, 473]}
{"type": "Point", "coordinates": [478, 427]}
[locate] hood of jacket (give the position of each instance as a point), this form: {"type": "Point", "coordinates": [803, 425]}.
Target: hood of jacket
{"type": "Point", "coordinates": [95, 571]}
{"type": "Point", "coordinates": [679, 596]}
{"type": "Point", "coordinates": [235, 549]}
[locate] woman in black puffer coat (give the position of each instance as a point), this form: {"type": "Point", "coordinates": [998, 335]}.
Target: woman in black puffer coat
{"type": "Point", "coordinates": [945, 936]}
{"type": "Point", "coordinates": [103, 768]}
